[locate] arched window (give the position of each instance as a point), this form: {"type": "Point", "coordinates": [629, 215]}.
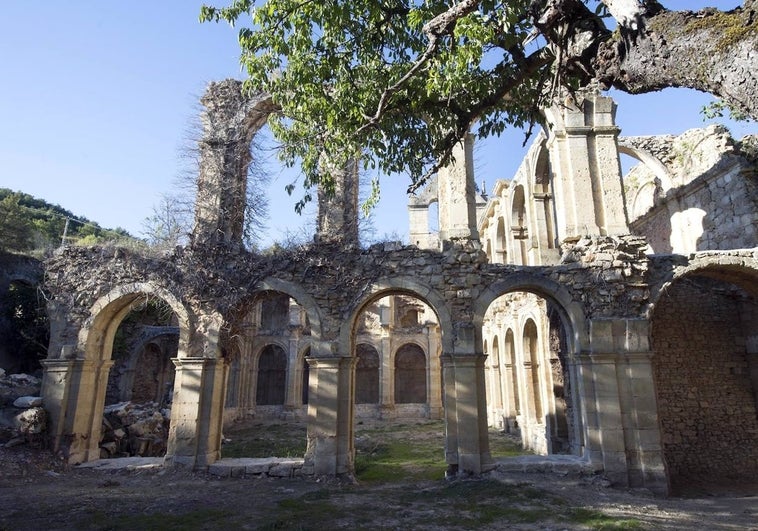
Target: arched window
{"type": "Point", "coordinates": [513, 394]}
{"type": "Point", "coordinates": [272, 376]}
{"type": "Point", "coordinates": [532, 358]}
{"type": "Point", "coordinates": [519, 226]}
{"type": "Point", "coordinates": [366, 375]}
{"type": "Point", "coordinates": [410, 375]}
{"type": "Point", "coordinates": [501, 244]}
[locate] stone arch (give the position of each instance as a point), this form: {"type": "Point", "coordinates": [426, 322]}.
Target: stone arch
{"type": "Point", "coordinates": [740, 268]}
{"type": "Point", "coordinates": [95, 340]}
{"type": "Point", "coordinates": [513, 408]}
{"type": "Point", "coordinates": [151, 337]}
{"type": "Point", "coordinates": [570, 310]}
{"type": "Point", "coordinates": [544, 221]}
{"type": "Point", "coordinates": [519, 225]}
{"type": "Point", "coordinates": [533, 364]}
{"type": "Point", "coordinates": [87, 378]}
{"type": "Point", "coordinates": [501, 242]}
{"type": "Point", "coordinates": [496, 367]}
{"type": "Point", "coordinates": [231, 118]}
{"type": "Point", "coordinates": [401, 286]}
{"type": "Point", "coordinates": [531, 411]}
{"type": "Point", "coordinates": [706, 383]}
{"type": "Point", "coordinates": [656, 166]}
{"type": "Point", "coordinates": [303, 298]}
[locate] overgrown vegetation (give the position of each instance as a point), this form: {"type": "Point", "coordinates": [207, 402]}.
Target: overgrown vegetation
{"type": "Point", "coordinates": [29, 224]}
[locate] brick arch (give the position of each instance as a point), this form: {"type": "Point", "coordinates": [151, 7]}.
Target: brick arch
{"type": "Point", "coordinates": [401, 286]}
{"type": "Point", "coordinates": [736, 267]}
{"type": "Point", "coordinates": [570, 310]}
{"type": "Point", "coordinates": [95, 341]}
{"type": "Point", "coordinates": [702, 335]}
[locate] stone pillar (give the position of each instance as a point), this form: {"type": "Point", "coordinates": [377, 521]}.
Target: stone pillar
{"type": "Point", "coordinates": [457, 194]}
{"type": "Point", "coordinates": [230, 120]}
{"type": "Point", "coordinates": [197, 412]}
{"type": "Point", "coordinates": [647, 467]}
{"type": "Point", "coordinates": [292, 398]}
{"type": "Point", "coordinates": [625, 405]}
{"type": "Point", "coordinates": [587, 172]}
{"type": "Point", "coordinates": [386, 379]}
{"type": "Point", "coordinates": [338, 205]}
{"type": "Point", "coordinates": [435, 382]}
{"type": "Point", "coordinates": [467, 441]}
{"type": "Point", "coordinates": [330, 416]}
{"type": "Point", "coordinates": [74, 395]}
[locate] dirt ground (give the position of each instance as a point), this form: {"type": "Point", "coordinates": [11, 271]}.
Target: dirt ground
{"type": "Point", "coordinates": [37, 491]}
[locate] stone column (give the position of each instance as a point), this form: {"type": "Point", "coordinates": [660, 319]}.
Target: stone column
{"type": "Point", "coordinates": [386, 380]}
{"type": "Point", "coordinates": [197, 412]}
{"type": "Point", "coordinates": [625, 405]}
{"type": "Point", "coordinates": [338, 205]}
{"type": "Point", "coordinates": [330, 416]}
{"type": "Point", "coordinates": [457, 194]}
{"type": "Point", "coordinates": [292, 398]}
{"type": "Point", "coordinates": [584, 153]}
{"type": "Point", "coordinates": [435, 382]}
{"type": "Point", "coordinates": [467, 443]}
{"type": "Point", "coordinates": [646, 463]}
{"type": "Point", "coordinates": [74, 393]}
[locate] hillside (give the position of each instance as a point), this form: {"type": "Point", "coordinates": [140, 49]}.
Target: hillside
{"type": "Point", "coordinates": [29, 224]}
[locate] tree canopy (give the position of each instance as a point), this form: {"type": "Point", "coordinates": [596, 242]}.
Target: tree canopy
{"type": "Point", "coordinates": [399, 82]}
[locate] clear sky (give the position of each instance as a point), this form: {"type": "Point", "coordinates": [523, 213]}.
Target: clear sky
{"type": "Point", "coordinates": [98, 97]}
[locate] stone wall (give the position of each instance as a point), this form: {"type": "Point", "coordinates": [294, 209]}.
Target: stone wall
{"type": "Point", "coordinates": [707, 197]}
{"type": "Point", "coordinates": [706, 399]}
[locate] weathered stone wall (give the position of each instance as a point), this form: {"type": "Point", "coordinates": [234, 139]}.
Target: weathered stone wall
{"type": "Point", "coordinates": [706, 400]}
{"type": "Point", "coordinates": [707, 197]}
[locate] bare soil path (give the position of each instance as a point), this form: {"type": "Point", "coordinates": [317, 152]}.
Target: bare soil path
{"type": "Point", "coordinates": [38, 492]}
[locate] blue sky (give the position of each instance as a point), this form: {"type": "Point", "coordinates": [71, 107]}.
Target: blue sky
{"type": "Point", "coordinates": [98, 98]}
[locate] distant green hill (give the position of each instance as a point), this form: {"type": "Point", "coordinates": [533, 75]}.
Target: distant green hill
{"type": "Point", "coordinates": [29, 224]}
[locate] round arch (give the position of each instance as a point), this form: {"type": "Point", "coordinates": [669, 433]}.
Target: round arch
{"type": "Point", "coordinates": [95, 341]}
{"type": "Point", "coordinates": [735, 268]}
{"type": "Point", "coordinates": [646, 158]}
{"type": "Point", "coordinates": [297, 292]}
{"type": "Point", "coordinates": [401, 286]}
{"type": "Point", "coordinates": [571, 311]}
{"type": "Point", "coordinates": [705, 383]}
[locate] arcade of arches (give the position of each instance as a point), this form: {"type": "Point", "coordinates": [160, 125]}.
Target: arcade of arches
{"type": "Point", "coordinates": [541, 310]}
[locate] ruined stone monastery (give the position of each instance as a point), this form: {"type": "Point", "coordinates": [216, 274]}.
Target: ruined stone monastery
{"type": "Point", "coordinates": [610, 318]}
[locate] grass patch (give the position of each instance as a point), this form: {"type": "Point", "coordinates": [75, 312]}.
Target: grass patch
{"type": "Point", "coordinates": [396, 460]}
{"type": "Point", "coordinates": [264, 440]}
{"type": "Point", "coordinates": [310, 511]}
{"type": "Point", "coordinates": [502, 445]}
{"type": "Point", "coordinates": [601, 521]}
{"type": "Point", "coordinates": [198, 519]}
{"type": "Point", "coordinates": [387, 454]}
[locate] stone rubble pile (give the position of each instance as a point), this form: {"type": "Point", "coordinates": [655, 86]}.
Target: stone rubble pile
{"type": "Point", "coordinates": [131, 429]}
{"type": "Point", "coordinates": [22, 418]}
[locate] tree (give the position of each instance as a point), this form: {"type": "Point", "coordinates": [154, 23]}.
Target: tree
{"type": "Point", "coordinates": [401, 82]}
{"type": "Point", "coordinates": [16, 231]}
{"type": "Point", "coordinates": [168, 226]}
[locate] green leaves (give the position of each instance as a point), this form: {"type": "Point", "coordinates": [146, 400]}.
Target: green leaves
{"type": "Point", "coordinates": [362, 78]}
